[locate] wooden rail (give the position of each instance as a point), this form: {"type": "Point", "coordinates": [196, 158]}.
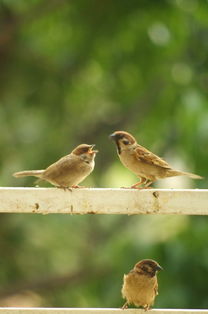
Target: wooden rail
{"type": "Point", "coordinates": [103, 201]}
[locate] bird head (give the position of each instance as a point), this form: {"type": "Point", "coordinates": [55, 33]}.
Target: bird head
{"type": "Point", "coordinates": [123, 140]}
{"type": "Point", "coordinates": [147, 267]}
{"type": "Point", "coordinates": [85, 151]}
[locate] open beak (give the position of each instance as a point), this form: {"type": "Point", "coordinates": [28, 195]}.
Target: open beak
{"type": "Point", "coordinates": [92, 151]}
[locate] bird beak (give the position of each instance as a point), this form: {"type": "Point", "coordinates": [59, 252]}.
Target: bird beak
{"type": "Point", "coordinates": [112, 136]}
{"type": "Point", "coordinates": [159, 267]}
{"type": "Point", "coordinates": [93, 151]}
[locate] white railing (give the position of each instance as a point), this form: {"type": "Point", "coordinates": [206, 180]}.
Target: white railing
{"type": "Point", "coordinates": [103, 201]}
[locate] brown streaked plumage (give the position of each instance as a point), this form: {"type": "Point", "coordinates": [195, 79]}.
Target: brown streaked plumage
{"type": "Point", "coordinates": [140, 285]}
{"type": "Point", "coordinates": [68, 171]}
{"type": "Point", "coordinates": [146, 165]}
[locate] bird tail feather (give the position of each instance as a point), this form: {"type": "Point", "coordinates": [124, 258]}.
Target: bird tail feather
{"type": "Point", "coordinates": [173, 173]}
{"type": "Point", "coordinates": [28, 173]}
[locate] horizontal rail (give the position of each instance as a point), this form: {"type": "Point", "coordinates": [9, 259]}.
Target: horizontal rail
{"type": "Point", "coordinates": [14, 310]}
{"type": "Point", "coordinates": [103, 201]}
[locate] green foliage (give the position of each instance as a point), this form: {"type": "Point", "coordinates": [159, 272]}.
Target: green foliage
{"type": "Point", "coordinates": [74, 72]}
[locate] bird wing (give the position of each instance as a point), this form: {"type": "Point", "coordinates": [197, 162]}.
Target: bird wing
{"type": "Point", "coordinates": [65, 164]}
{"type": "Point", "coordinates": [148, 157]}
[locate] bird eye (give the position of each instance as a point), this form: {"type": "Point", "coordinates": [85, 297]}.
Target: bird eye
{"type": "Point", "coordinates": [146, 269]}
{"type": "Point", "coordinates": [125, 142]}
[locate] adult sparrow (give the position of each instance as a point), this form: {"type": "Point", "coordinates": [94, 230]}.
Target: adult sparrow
{"type": "Point", "coordinates": [140, 285]}
{"type": "Point", "coordinates": [68, 171]}
{"type": "Point", "coordinates": [146, 165]}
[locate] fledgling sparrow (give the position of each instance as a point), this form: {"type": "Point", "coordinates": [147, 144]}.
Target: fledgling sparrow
{"type": "Point", "coordinates": [68, 171]}
{"type": "Point", "coordinates": [140, 285]}
{"type": "Point", "coordinates": [146, 165]}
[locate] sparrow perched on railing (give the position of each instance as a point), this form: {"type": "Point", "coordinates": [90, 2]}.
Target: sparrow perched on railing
{"type": "Point", "coordinates": [68, 171]}
{"type": "Point", "coordinates": [148, 166]}
{"type": "Point", "coordinates": [140, 285]}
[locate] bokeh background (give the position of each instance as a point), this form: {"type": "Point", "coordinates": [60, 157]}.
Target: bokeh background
{"type": "Point", "coordinates": [74, 72]}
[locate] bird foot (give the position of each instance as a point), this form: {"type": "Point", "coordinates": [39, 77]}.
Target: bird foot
{"type": "Point", "coordinates": [125, 187]}
{"type": "Point", "coordinates": [125, 306]}
{"type": "Point", "coordinates": [141, 187]}
{"type": "Point", "coordinates": [137, 187]}
{"type": "Point", "coordinates": [78, 187]}
{"type": "Point", "coordinates": [133, 187]}
{"type": "Point", "coordinates": [147, 187]}
{"type": "Point", "coordinates": [65, 188]}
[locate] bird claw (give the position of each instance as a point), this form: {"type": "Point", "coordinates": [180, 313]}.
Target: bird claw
{"type": "Point", "coordinates": [65, 188]}
{"type": "Point", "coordinates": [135, 187]}
{"type": "Point", "coordinates": [125, 306]}
{"type": "Point", "coordinates": [125, 187]}
{"type": "Point", "coordinates": [78, 187]}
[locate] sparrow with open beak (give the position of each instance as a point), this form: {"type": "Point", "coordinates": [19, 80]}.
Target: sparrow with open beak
{"type": "Point", "coordinates": [68, 171]}
{"type": "Point", "coordinates": [140, 285]}
{"type": "Point", "coordinates": [146, 165]}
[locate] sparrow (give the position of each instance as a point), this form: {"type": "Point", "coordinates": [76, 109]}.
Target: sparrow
{"type": "Point", "coordinates": [68, 171]}
{"type": "Point", "coordinates": [140, 285]}
{"type": "Point", "coordinates": [146, 165]}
